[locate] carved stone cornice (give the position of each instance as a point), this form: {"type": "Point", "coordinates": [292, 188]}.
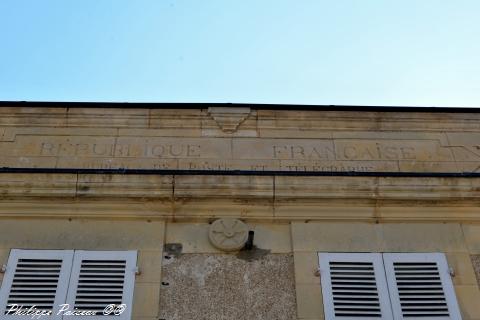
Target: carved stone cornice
{"type": "Point", "coordinates": [253, 197]}
{"type": "Point", "coordinates": [239, 139]}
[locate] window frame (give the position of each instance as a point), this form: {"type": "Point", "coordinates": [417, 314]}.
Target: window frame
{"type": "Point", "coordinates": [68, 279]}
{"type": "Point", "coordinates": [128, 285]}
{"type": "Point", "coordinates": [447, 285]}
{"type": "Point", "coordinates": [63, 280]}
{"type": "Point", "coordinates": [386, 259]}
{"type": "Point", "coordinates": [381, 283]}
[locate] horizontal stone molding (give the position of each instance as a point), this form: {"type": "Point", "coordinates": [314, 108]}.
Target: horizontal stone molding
{"type": "Point", "coordinates": [251, 197]}
{"type": "Point", "coordinates": [237, 186]}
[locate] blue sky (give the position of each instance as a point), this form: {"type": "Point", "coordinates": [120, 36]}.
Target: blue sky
{"type": "Point", "coordinates": [353, 52]}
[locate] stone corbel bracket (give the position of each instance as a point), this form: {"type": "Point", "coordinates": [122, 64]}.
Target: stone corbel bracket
{"type": "Point", "coordinates": [229, 119]}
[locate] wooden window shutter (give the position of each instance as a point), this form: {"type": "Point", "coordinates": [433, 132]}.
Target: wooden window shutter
{"type": "Point", "coordinates": [35, 278]}
{"type": "Point", "coordinates": [102, 278]}
{"type": "Point", "coordinates": [420, 286]}
{"type": "Point", "coordinates": [354, 286]}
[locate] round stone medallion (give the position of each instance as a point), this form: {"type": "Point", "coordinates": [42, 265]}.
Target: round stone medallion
{"type": "Point", "coordinates": [228, 234]}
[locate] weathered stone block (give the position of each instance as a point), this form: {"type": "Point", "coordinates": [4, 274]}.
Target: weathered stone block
{"type": "Point", "coordinates": [463, 268]}
{"type": "Point", "coordinates": [117, 185]}
{"type": "Point", "coordinates": [46, 185]}
{"type": "Point", "coordinates": [337, 237]}
{"type": "Point", "coordinates": [185, 208]}
{"type": "Point", "coordinates": [150, 265]}
{"type": "Point", "coordinates": [309, 301]}
{"type": "Point", "coordinates": [145, 299]}
{"type": "Point", "coordinates": [306, 265]}
{"type": "Point", "coordinates": [423, 237]}
{"type": "Point", "coordinates": [226, 186]}
{"type": "Point", "coordinates": [4, 253]}
{"type": "Point", "coordinates": [472, 237]}
{"type": "Point", "coordinates": [476, 266]}
{"type": "Point", "coordinates": [81, 234]}
{"type": "Point", "coordinates": [468, 298]}
{"type": "Point", "coordinates": [221, 286]}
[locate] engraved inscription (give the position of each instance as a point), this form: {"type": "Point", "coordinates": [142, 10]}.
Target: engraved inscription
{"type": "Point", "coordinates": [303, 152]}
{"type": "Point", "coordinates": [225, 154]}
{"type": "Point", "coordinates": [412, 150]}
{"type": "Point", "coordinates": [120, 150]}
{"type": "Point", "coordinates": [378, 152]}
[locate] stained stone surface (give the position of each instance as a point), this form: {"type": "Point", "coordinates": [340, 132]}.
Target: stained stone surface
{"type": "Point", "coordinates": [476, 266]}
{"type": "Point", "coordinates": [232, 139]}
{"type": "Point", "coordinates": [224, 287]}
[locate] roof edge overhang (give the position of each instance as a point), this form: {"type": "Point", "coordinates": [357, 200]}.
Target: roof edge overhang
{"type": "Point", "coordinates": [255, 106]}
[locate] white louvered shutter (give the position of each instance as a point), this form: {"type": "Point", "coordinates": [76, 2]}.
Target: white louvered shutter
{"type": "Point", "coordinates": [37, 279]}
{"type": "Point", "coordinates": [420, 286]}
{"type": "Point", "coordinates": [354, 286]}
{"type": "Point", "coordinates": [101, 278]}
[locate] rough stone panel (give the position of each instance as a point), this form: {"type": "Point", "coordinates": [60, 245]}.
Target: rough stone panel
{"type": "Point", "coordinates": [222, 286]}
{"type": "Point", "coordinates": [476, 266]}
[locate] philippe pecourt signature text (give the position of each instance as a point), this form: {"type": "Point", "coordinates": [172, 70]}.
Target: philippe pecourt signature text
{"type": "Point", "coordinates": [63, 310]}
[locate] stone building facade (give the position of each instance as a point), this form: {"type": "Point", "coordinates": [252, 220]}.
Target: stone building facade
{"type": "Point", "coordinates": [324, 205]}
